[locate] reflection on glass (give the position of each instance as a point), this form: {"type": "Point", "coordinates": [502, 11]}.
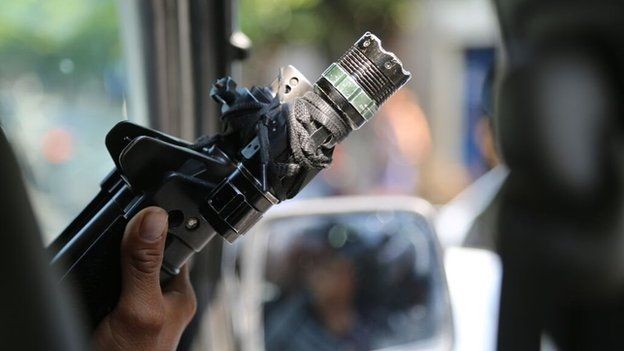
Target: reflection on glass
{"type": "Point", "coordinates": [351, 282]}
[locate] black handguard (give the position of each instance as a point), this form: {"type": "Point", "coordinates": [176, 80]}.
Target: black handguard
{"type": "Point", "coordinates": [275, 140]}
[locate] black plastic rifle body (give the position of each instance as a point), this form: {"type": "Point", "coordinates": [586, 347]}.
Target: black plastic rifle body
{"type": "Point", "coordinates": [274, 142]}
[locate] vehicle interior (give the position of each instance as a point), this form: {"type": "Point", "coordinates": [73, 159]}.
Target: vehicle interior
{"type": "Point", "coordinates": [481, 209]}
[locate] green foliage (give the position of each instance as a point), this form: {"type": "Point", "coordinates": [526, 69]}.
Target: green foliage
{"type": "Point", "coordinates": [323, 23]}
{"type": "Point", "coordinates": [37, 35]}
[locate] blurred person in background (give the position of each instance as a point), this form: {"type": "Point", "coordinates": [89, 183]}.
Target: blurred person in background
{"type": "Point", "coordinates": [468, 220]}
{"type": "Point", "coordinates": [344, 284]}
{"type": "Point", "coordinates": [322, 315]}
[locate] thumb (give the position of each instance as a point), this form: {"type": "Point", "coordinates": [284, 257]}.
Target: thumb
{"type": "Point", "coordinates": [141, 256]}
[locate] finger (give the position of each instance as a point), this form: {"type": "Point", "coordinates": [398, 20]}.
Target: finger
{"type": "Point", "coordinates": [179, 284]}
{"type": "Point", "coordinates": [180, 296]}
{"type": "Point", "coordinates": [141, 257]}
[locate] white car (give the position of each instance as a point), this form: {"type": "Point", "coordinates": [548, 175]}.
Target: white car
{"type": "Point", "coordinates": [355, 273]}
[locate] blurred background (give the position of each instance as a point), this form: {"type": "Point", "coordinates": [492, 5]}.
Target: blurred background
{"type": "Point", "coordinates": [71, 69]}
{"type": "Point", "coordinates": [66, 78]}
{"type": "Point", "coordinates": [62, 86]}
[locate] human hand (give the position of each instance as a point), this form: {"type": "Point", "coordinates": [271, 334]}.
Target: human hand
{"type": "Point", "coordinates": [147, 317]}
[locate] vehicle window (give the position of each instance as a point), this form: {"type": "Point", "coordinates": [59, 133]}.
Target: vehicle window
{"type": "Point", "coordinates": [351, 282]}
{"type": "Point", "coordinates": [61, 89]}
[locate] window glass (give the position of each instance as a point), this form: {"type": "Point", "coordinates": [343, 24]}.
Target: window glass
{"type": "Point", "coordinates": [61, 89]}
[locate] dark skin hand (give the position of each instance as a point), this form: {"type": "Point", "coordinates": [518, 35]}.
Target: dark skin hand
{"type": "Point", "coordinates": [147, 316]}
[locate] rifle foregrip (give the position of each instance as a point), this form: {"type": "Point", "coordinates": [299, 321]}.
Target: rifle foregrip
{"type": "Point", "coordinates": [96, 277]}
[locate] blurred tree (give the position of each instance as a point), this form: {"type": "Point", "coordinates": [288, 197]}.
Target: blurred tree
{"type": "Point", "coordinates": [326, 24]}
{"type": "Point", "coordinates": [55, 39]}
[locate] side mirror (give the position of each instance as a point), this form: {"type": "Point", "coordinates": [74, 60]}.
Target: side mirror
{"type": "Point", "coordinates": [342, 273]}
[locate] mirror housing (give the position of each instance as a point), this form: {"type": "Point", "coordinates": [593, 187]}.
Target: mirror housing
{"type": "Point", "coordinates": [245, 264]}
